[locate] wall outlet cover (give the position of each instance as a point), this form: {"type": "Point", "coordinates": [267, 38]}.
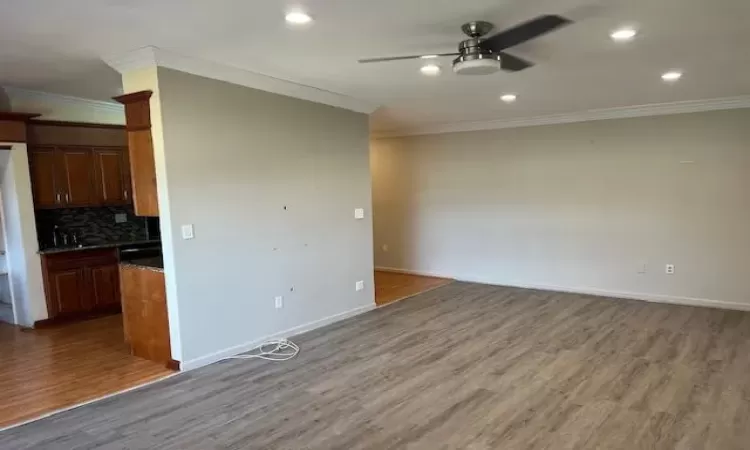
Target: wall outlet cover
{"type": "Point", "coordinates": [359, 213]}
{"type": "Point", "coordinates": [279, 302]}
{"type": "Point", "coordinates": [360, 285]}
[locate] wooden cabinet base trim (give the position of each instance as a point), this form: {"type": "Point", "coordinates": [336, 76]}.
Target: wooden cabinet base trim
{"type": "Point", "coordinates": [60, 320]}
{"type": "Point", "coordinates": [173, 364]}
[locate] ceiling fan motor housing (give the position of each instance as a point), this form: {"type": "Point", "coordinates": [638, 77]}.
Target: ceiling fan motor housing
{"type": "Point", "coordinates": [474, 60]}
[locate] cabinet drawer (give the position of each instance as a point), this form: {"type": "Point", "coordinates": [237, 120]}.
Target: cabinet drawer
{"type": "Point", "coordinates": [80, 258]}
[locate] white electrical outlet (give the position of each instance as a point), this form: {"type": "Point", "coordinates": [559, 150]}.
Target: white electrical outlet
{"type": "Point", "coordinates": [359, 285]}
{"type": "Point", "coordinates": [669, 269]}
{"type": "Point", "coordinates": [359, 213]}
{"type": "Point", "coordinates": [279, 302]}
{"type": "Point", "coordinates": [187, 232]}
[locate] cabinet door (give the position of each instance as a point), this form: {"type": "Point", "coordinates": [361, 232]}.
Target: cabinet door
{"type": "Point", "coordinates": [109, 176]}
{"type": "Point", "coordinates": [76, 171]}
{"type": "Point", "coordinates": [43, 177]}
{"type": "Point", "coordinates": [127, 180]}
{"type": "Point", "coordinates": [105, 287]}
{"type": "Point", "coordinates": [143, 171]}
{"type": "Point", "coordinates": [67, 291]}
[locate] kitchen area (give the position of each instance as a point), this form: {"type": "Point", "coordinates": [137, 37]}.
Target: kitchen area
{"type": "Point", "coordinates": [97, 221]}
{"type": "Point", "coordinates": [100, 322]}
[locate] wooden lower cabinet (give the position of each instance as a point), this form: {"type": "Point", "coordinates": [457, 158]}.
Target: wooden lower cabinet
{"type": "Point", "coordinates": [144, 313]}
{"type": "Point", "coordinates": [105, 286]}
{"type": "Point", "coordinates": [81, 283]}
{"type": "Point", "coordinates": [66, 292]}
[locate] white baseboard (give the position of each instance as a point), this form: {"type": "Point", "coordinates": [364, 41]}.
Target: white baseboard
{"type": "Point", "coordinates": [247, 346]}
{"type": "Point", "coordinates": [648, 297]}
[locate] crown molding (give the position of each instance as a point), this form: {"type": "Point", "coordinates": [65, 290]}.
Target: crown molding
{"type": "Point", "coordinates": [16, 94]}
{"type": "Point", "coordinates": [653, 109]}
{"type": "Point", "coordinates": [154, 56]}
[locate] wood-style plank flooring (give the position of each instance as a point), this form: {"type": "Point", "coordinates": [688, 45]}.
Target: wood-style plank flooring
{"type": "Point", "coordinates": [464, 366]}
{"type": "Point", "coordinates": [45, 370]}
{"type": "Point", "coordinates": [391, 286]}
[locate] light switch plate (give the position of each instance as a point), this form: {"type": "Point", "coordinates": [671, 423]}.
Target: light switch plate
{"type": "Point", "coordinates": [359, 285]}
{"type": "Point", "coordinates": [121, 218]}
{"type": "Point", "coordinates": [359, 213]}
{"type": "Point", "coordinates": [187, 232]}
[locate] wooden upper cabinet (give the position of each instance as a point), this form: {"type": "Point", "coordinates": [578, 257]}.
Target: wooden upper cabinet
{"type": "Point", "coordinates": [143, 173]}
{"type": "Point", "coordinates": [76, 171]}
{"type": "Point", "coordinates": [111, 177]}
{"type": "Point", "coordinates": [63, 177]}
{"type": "Point", "coordinates": [141, 152]}
{"type": "Point", "coordinates": [77, 164]}
{"type": "Point", "coordinates": [127, 179]}
{"type": "Point", "coordinates": [43, 177]}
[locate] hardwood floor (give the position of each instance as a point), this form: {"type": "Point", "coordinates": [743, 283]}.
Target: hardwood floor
{"type": "Point", "coordinates": [391, 286]}
{"type": "Point", "coordinates": [45, 370]}
{"type": "Point", "coordinates": [464, 366]}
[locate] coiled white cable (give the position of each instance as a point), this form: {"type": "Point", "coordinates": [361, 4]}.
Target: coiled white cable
{"type": "Point", "coordinates": [274, 350]}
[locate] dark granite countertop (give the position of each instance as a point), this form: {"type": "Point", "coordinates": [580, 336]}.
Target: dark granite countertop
{"type": "Point", "coordinates": [97, 246]}
{"type": "Point", "coordinates": [154, 263]}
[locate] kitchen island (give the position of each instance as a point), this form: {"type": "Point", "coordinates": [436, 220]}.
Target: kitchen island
{"type": "Point", "coordinates": [144, 309]}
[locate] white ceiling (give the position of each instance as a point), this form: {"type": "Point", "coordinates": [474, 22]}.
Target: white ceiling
{"type": "Point", "coordinates": [56, 46]}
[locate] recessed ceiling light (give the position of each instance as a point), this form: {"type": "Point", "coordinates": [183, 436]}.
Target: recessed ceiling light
{"type": "Point", "coordinates": [298, 18]}
{"type": "Point", "coordinates": [672, 75]}
{"type": "Point", "coordinates": [430, 69]}
{"type": "Point", "coordinates": [508, 98]}
{"type": "Point", "coordinates": [429, 56]}
{"type": "Point", "coordinates": [623, 34]}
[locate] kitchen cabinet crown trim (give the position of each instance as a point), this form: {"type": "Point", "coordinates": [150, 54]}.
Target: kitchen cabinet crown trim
{"type": "Point", "coordinates": [60, 123]}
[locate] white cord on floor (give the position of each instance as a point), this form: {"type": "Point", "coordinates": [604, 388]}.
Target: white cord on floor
{"type": "Point", "coordinates": [274, 350]}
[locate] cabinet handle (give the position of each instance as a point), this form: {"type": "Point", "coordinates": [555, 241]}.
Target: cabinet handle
{"type": "Point", "coordinates": [125, 193]}
{"type": "Point", "coordinates": [57, 198]}
{"type": "Point", "coordinates": [67, 197]}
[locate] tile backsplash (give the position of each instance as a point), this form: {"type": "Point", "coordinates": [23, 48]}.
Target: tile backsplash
{"type": "Point", "coordinates": [93, 225]}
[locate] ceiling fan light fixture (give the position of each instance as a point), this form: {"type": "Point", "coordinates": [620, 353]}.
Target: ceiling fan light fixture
{"type": "Point", "coordinates": [483, 66]}
{"type": "Point", "coordinates": [431, 70]}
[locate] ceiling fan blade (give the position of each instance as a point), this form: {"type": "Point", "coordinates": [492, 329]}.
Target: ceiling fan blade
{"type": "Point", "coordinates": [398, 58]}
{"type": "Point", "coordinates": [524, 32]}
{"type": "Point", "coordinates": [512, 63]}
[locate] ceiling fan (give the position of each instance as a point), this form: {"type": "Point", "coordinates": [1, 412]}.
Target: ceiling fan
{"type": "Point", "coordinates": [481, 55]}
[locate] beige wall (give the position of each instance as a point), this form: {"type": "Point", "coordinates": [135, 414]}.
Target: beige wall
{"type": "Point", "coordinates": [579, 207]}
{"type": "Point", "coordinates": [270, 184]}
